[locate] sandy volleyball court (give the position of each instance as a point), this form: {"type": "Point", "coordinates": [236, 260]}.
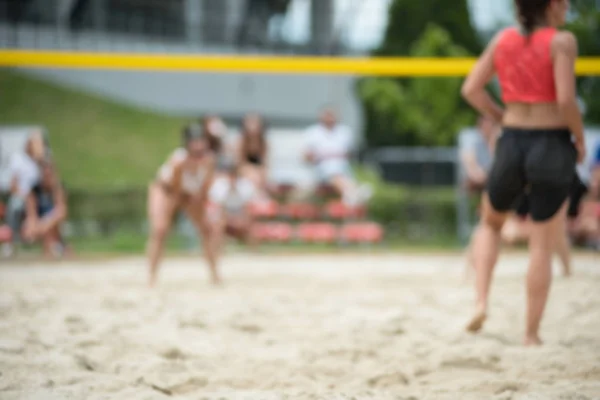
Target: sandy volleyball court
{"type": "Point", "coordinates": [310, 327]}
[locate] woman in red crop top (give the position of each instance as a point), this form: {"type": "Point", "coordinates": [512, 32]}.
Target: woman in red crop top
{"type": "Point", "coordinates": [541, 142]}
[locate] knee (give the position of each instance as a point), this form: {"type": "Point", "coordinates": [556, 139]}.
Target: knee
{"type": "Point", "coordinates": [494, 222]}
{"type": "Point", "coordinates": [61, 213]}
{"type": "Point", "coordinates": [159, 232]}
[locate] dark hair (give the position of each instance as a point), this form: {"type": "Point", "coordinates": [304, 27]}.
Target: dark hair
{"type": "Point", "coordinates": [214, 141]}
{"type": "Point", "coordinates": [262, 142]}
{"type": "Point", "coordinates": [531, 13]}
{"type": "Point", "coordinates": [190, 132]}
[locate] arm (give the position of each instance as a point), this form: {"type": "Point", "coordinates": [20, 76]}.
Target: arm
{"type": "Point", "coordinates": [31, 223]}
{"type": "Point", "coordinates": [14, 185]}
{"type": "Point", "coordinates": [474, 172]}
{"type": "Point", "coordinates": [13, 173]}
{"type": "Point", "coordinates": [473, 89]}
{"type": "Point", "coordinates": [171, 172]}
{"type": "Point", "coordinates": [309, 153]}
{"type": "Point", "coordinates": [58, 214]}
{"type": "Point", "coordinates": [564, 48]}
{"type": "Point", "coordinates": [60, 204]}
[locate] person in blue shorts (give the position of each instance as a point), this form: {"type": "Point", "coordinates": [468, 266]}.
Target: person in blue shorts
{"type": "Point", "coordinates": [46, 210]}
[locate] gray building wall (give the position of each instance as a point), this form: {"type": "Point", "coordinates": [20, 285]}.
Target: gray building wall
{"type": "Point", "coordinates": [292, 98]}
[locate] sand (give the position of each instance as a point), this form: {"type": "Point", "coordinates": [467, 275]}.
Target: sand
{"type": "Point", "coordinates": [295, 327]}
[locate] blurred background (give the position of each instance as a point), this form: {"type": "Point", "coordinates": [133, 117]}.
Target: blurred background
{"type": "Point", "coordinates": [413, 138]}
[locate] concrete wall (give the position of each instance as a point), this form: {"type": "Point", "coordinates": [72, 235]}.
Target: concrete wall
{"type": "Point", "coordinates": [292, 98]}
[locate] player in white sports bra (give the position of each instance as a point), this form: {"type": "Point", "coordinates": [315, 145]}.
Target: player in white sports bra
{"type": "Point", "coordinates": [182, 183]}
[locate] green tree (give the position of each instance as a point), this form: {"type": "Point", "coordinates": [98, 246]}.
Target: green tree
{"type": "Point", "coordinates": [407, 20]}
{"type": "Point", "coordinates": [586, 26]}
{"type": "Point", "coordinates": [421, 111]}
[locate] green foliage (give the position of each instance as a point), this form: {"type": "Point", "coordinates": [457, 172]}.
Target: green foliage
{"type": "Point", "coordinates": [97, 143]}
{"type": "Point", "coordinates": [421, 111]}
{"type": "Point", "coordinates": [586, 26]}
{"type": "Point", "coordinates": [408, 19]}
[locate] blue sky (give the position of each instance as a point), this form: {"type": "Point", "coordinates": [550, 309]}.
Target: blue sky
{"type": "Point", "coordinates": [363, 21]}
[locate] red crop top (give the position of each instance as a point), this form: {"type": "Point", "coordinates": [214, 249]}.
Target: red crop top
{"type": "Point", "coordinates": [524, 66]}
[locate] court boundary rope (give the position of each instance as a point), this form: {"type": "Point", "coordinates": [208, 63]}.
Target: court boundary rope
{"type": "Point", "coordinates": [376, 66]}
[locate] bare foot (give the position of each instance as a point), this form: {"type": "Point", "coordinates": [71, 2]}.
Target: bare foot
{"type": "Point", "coordinates": [477, 321]}
{"type": "Point", "coordinates": [216, 280]}
{"type": "Point", "coordinates": [152, 281]}
{"type": "Point", "coordinates": [532, 340]}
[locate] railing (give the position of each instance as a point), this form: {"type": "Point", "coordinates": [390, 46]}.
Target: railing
{"type": "Point", "coordinates": [171, 25]}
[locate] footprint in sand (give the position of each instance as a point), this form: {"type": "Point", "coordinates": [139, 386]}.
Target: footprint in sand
{"type": "Point", "coordinates": [247, 327]}
{"type": "Point", "coordinates": [387, 380]}
{"type": "Point", "coordinates": [76, 324]}
{"type": "Point", "coordinates": [473, 363]}
{"type": "Point", "coordinates": [176, 386]}
{"type": "Point", "coordinates": [192, 324]}
{"type": "Point", "coordinates": [11, 346]}
{"type": "Point", "coordinates": [173, 353]}
{"type": "Point", "coordinates": [86, 363]}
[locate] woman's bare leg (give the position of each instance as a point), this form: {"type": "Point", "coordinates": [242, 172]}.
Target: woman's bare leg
{"type": "Point", "coordinates": [470, 262]}
{"type": "Point", "coordinates": [486, 246]}
{"type": "Point", "coordinates": [563, 248]}
{"type": "Point", "coordinates": [161, 207]}
{"type": "Point", "coordinates": [515, 230]}
{"type": "Point", "coordinates": [52, 221]}
{"type": "Point", "coordinates": [539, 275]}
{"type": "Point", "coordinates": [211, 234]}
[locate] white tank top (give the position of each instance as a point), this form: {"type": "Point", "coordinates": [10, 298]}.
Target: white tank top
{"type": "Point", "coordinates": [191, 180]}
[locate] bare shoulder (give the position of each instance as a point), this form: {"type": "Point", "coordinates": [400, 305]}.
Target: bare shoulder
{"type": "Point", "coordinates": [498, 36]}
{"type": "Point", "coordinates": [178, 157]}
{"type": "Point", "coordinates": [565, 41]}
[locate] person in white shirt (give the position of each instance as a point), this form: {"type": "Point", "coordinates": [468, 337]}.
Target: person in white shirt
{"type": "Point", "coordinates": [229, 199]}
{"type": "Point", "coordinates": [24, 171]}
{"type": "Point", "coordinates": [328, 147]}
{"type": "Point", "coordinates": [46, 210]}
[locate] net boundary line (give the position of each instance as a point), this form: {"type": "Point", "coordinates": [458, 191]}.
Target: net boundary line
{"type": "Point", "coordinates": [376, 66]}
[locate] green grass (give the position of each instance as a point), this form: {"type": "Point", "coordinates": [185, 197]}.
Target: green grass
{"type": "Point", "coordinates": [97, 143]}
{"type": "Point", "coordinates": [134, 244]}
{"type": "Point", "coordinates": [122, 243]}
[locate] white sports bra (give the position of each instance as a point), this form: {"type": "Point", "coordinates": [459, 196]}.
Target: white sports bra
{"type": "Point", "coordinates": [191, 180]}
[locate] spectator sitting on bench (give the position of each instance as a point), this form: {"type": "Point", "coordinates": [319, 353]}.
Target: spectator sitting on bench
{"type": "Point", "coordinates": [586, 229]}
{"type": "Point", "coordinates": [24, 173]}
{"type": "Point", "coordinates": [229, 200]}
{"type": "Point", "coordinates": [328, 148]}
{"type": "Point", "coordinates": [46, 211]}
{"type": "Point", "coordinates": [252, 153]}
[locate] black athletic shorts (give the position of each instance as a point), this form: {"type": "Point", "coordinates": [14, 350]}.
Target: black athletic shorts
{"type": "Point", "coordinates": [576, 193]}
{"type": "Point", "coordinates": [540, 162]}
